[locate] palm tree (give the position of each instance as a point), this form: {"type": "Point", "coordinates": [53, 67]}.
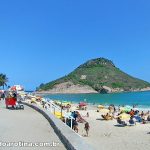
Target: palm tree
{"type": "Point", "coordinates": [3, 80]}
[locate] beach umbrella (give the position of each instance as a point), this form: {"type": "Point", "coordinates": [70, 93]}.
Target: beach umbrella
{"type": "Point", "coordinates": [104, 110]}
{"type": "Point", "coordinates": [65, 103]}
{"type": "Point", "coordinates": [13, 88]}
{"type": "Point", "coordinates": [122, 109]}
{"type": "Point", "coordinates": [1, 91]}
{"type": "Point", "coordinates": [127, 108]}
{"type": "Point", "coordinates": [17, 88]}
{"type": "Point", "coordinates": [33, 100]}
{"type": "Point", "coordinates": [124, 116]}
{"type": "Point", "coordinates": [100, 106]}
{"type": "Point", "coordinates": [81, 104]}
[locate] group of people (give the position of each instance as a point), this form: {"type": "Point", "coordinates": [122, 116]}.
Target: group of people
{"type": "Point", "coordinates": [5, 94]}
{"type": "Point", "coordinates": [140, 117]}
{"type": "Point", "coordinates": [77, 118]}
{"type": "Point", "coordinates": [131, 121]}
{"type": "Point", "coordinates": [135, 115]}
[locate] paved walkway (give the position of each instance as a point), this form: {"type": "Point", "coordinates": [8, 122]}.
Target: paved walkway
{"type": "Point", "coordinates": [26, 126]}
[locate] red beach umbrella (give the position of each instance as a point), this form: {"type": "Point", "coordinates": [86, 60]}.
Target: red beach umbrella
{"type": "Point", "coordinates": [81, 104]}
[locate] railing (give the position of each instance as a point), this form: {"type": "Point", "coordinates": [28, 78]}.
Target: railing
{"type": "Point", "coordinates": [52, 107]}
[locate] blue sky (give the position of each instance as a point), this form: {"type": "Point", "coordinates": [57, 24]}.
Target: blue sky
{"type": "Point", "coordinates": [42, 40]}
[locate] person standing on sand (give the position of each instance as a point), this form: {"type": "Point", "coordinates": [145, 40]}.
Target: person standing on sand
{"type": "Point", "coordinates": [75, 126]}
{"type": "Point", "coordinates": [87, 127]}
{"type": "Point", "coordinates": [3, 96]}
{"type": "Point", "coordinates": [87, 114]}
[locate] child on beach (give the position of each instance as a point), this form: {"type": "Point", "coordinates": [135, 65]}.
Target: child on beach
{"type": "Point", "coordinates": [87, 127]}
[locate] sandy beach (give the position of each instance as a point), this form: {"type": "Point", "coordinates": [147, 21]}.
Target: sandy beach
{"type": "Point", "coordinates": [106, 135]}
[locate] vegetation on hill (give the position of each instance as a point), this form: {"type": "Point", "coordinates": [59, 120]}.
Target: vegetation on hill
{"type": "Point", "coordinates": [97, 73]}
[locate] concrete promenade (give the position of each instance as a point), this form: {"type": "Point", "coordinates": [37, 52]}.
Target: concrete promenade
{"type": "Point", "coordinates": [26, 126]}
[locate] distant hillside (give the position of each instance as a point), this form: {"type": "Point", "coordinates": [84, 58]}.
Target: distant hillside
{"type": "Point", "coordinates": [96, 75]}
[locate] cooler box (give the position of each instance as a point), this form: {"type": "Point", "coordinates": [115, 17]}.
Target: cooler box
{"type": "Point", "coordinates": [10, 101]}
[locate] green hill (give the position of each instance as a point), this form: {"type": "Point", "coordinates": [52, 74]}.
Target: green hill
{"type": "Point", "coordinates": [101, 75]}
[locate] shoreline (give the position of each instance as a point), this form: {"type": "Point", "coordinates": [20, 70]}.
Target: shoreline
{"type": "Point", "coordinates": [102, 99]}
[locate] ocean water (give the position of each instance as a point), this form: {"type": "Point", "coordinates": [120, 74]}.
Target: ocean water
{"type": "Point", "coordinates": [141, 99]}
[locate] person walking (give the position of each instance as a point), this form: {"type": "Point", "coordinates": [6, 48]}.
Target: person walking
{"type": "Point", "coordinates": [3, 96]}
{"type": "Point", "coordinates": [87, 127]}
{"type": "Point", "coordinates": [75, 126]}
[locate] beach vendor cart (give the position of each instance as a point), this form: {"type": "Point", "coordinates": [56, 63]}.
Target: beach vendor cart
{"type": "Point", "coordinates": [11, 101]}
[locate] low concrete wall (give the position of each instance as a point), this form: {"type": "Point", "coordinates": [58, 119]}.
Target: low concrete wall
{"type": "Point", "coordinates": [71, 140]}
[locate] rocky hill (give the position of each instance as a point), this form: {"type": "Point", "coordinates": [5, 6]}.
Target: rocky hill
{"type": "Point", "coordinates": [95, 76]}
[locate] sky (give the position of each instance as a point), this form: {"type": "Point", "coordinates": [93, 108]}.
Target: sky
{"type": "Point", "coordinates": [42, 40]}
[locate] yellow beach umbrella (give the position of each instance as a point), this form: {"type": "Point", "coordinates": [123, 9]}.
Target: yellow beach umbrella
{"type": "Point", "coordinates": [100, 106]}
{"type": "Point", "coordinates": [33, 100]}
{"type": "Point", "coordinates": [64, 104]}
{"type": "Point", "coordinates": [104, 110]}
{"type": "Point", "coordinates": [124, 116]}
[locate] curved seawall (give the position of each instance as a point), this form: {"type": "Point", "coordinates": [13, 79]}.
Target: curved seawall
{"type": "Point", "coordinates": [70, 139]}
